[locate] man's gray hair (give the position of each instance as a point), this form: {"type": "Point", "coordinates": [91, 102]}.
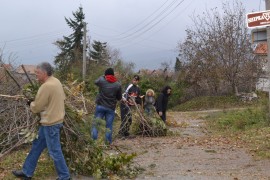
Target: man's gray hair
{"type": "Point", "coordinates": [45, 66]}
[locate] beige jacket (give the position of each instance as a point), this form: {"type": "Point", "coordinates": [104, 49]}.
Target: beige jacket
{"type": "Point", "coordinates": [49, 102]}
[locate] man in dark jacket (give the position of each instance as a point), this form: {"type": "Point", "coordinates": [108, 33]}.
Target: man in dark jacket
{"type": "Point", "coordinates": [130, 98]}
{"type": "Point", "coordinates": [109, 93]}
{"type": "Point", "coordinates": [162, 102]}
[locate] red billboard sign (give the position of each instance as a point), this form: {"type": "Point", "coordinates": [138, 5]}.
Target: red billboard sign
{"type": "Point", "coordinates": [257, 19]}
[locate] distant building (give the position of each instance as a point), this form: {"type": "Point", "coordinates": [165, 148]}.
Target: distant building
{"type": "Point", "coordinates": [7, 83]}
{"type": "Point", "coordinates": [258, 35]}
{"type": "Point", "coordinates": [261, 49]}
{"type": "Point", "coordinates": [259, 40]}
{"type": "Point", "coordinates": [3, 73]}
{"type": "Point", "coordinates": [30, 70]}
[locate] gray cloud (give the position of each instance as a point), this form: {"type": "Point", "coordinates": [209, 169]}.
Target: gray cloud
{"type": "Point", "coordinates": [29, 27]}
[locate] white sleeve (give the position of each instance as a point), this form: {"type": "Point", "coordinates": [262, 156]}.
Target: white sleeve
{"type": "Point", "coordinates": [125, 94]}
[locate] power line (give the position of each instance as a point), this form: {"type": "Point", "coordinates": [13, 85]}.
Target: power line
{"type": "Point", "coordinates": [148, 29]}
{"type": "Point", "coordinates": [38, 40]}
{"type": "Point", "coordinates": [28, 41]}
{"type": "Point", "coordinates": [117, 38]}
{"type": "Point", "coordinates": [144, 19]}
{"type": "Point", "coordinates": [173, 18]}
{"type": "Point", "coordinates": [30, 37]}
{"type": "Point", "coordinates": [165, 24]}
{"type": "Point", "coordinates": [124, 44]}
{"type": "Point", "coordinates": [149, 23]}
{"type": "Point", "coordinates": [143, 30]}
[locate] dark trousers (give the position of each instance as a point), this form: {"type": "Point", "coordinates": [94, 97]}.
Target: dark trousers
{"type": "Point", "coordinates": [163, 117]}
{"type": "Point", "coordinates": [126, 119]}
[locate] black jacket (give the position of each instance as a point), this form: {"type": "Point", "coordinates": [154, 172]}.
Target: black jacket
{"type": "Point", "coordinates": [109, 93]}
{"type": "Point", "coordinates": [132, 91]}
{"type": "Point", "coordinates": [162, 100]}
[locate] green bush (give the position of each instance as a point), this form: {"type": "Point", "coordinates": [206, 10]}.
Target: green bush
{"type": "Point", "coordinates": [238, 119]}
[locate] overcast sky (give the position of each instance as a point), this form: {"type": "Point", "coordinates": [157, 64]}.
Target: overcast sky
{"type": "Point", "coordinates": [145, 31]}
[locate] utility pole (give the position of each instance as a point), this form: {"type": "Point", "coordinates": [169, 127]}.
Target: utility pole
{"type": "Point", "coordinates": [84, 50]}
{"type": "Point", "coordinates": [267, 7]}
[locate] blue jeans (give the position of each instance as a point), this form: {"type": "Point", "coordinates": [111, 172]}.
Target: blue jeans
{"type": "Point", "coordinates": [48, 137]}
{"type": "Point", "coordinates": [107, 113]}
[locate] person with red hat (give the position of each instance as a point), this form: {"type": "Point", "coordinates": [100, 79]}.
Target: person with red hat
{"type": "Point", "coordinates": [109, 92]}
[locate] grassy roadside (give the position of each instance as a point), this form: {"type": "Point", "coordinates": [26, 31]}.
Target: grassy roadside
{"type": "Point", "coordinates": [213, 102]}
{"type": "Point", "coordinates": [251, 126]}
{"type": "Point", "coordinates": [245, 121]}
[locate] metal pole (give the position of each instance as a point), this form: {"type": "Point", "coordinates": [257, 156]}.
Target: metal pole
{"type": "Point", "coordinates": [267, 7]}
{"type": "Point", "coordinates": [84, 50]}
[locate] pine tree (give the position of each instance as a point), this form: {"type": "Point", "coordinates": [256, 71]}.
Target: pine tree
{"type": "Point", "coordinates": [99, 53]}
{"type": "Point", "coordinates": [178, 65]}
{"type": "Point", "coordinates": [71, 47]}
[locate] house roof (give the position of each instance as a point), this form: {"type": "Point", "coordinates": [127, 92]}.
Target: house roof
{"type": "Point", "coordinates": [261, 48]}
{"type": "Point", "coordinates": [30, 69]}
{"type": "Point", "coordinates": [3, 76]}
{"type": "Point", "coordinates": [7, 66]}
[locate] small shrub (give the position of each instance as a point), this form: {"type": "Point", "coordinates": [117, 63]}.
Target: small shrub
{"type": "Point", "coordinates": [239, 120]}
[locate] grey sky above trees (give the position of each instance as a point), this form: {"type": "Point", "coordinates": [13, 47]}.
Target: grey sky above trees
{"type": "Point", "coordinates": [146, 32]}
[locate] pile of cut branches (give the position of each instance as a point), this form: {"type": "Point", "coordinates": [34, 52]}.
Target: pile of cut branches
{"type": "Point", "coordinates": [146, 125]}
{"type": "Point", "coordinates": [17, 124]}
{"type": "Point", "coordinates": [18, 127]}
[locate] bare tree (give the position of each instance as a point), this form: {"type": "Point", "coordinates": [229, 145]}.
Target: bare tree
{"type": "Point", "coordinates": [114, 55]}
{"type": "Point", "coordinates": [217, 51]}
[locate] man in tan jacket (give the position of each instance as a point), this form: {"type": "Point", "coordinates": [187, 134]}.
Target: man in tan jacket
{"type": "Point", "coordinates": [49, 102]}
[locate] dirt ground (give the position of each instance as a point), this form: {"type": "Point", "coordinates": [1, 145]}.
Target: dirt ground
{"type": "Point", "coordinates": [194, 154]}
